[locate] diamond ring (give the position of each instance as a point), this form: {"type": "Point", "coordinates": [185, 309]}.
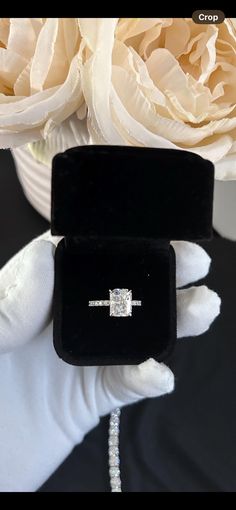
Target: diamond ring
{"type": "Point", "coordinates": [120, 303]}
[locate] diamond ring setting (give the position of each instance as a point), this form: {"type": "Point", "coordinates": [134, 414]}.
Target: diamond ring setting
{"type": "Point", "coordinates": [120, 302]}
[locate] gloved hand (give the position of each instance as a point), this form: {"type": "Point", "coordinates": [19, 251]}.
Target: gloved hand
{"type": "Point", "coordinates": [48, 406]}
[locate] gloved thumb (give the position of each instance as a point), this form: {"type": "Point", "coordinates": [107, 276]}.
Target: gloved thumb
{"type": "Point", "coordinates": [122, 385]}
{"type": "Point", "coordinates": [26, 290]}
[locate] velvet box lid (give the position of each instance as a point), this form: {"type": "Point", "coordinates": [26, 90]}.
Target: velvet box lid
{"type": "Point", "coordinates": [118, 208]}
{"type": "Point", "coordinates": [134, 192]}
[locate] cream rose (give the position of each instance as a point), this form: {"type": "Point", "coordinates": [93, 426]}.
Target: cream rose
{"type": "Point", "coordinates": [157, 82]}
{"type": "Point", "coordinates": [163, 82]}
{"type": "Point", "coordinates": [40, 77]}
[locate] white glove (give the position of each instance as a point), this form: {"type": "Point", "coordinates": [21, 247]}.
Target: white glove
{"type": "Point", "coordinates": [48, 406]}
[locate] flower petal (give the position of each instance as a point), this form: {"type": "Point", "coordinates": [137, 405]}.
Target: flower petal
{"type": "Point", "coordinates": [70, 133]}
{"type": "Point", "coordinates": [22, 37]}
{"type": "Point", "coordinates": [215, 150]}
{"type": "Point", "coordinates": [89, 28]}
{"type": "Point", "coordinates": [43, 55]}
{"type": "Point", "coordinates": [22, 83]}
{"type": "Point", "coordinates": [226, 168]}
{"type": "Point", "coordinates": [4, 30]}
{"type": "Point", "coordinates": [133, 131]}
{"type": "Point", "coordinates": [96, 79]}
{"type": "Point", "coordinates": [71, 37]}
{"type": "Point", "coordinates": [56, 104]}
{"type": "Point", "coordinates": [11, 66]}
{"type": "Point", "coordinates": [130, 27]}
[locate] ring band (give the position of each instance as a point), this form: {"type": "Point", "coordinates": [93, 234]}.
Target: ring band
{"type": "Point", "coordinates": [120, 302]}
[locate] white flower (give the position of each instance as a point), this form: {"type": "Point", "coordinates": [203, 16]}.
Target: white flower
{"type": "Point", "coordinates": [162, 82]}
{"type": "Point", "coordinates": [40, 77]}
{"type": "Point", "coordinates": [154, 82]}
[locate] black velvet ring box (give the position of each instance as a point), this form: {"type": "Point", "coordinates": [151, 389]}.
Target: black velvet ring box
{"type": "Point", "coordinates": [118, 208]}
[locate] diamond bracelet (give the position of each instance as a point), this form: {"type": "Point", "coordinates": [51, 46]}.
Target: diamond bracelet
{"type": "Point", "coordinates": [113, 451]}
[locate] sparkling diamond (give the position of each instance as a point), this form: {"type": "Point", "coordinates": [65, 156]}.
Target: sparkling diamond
{"type": "Point", "coordinates": [114, 471]}
{"type": "Point", "coordinates": [114, 461]}
{"type": "Point", "coordinates": [120, 303]}
{"type": "Point", "coordinates": [113, 450]}
{"type": "Point", "coordinates": [115, 482]}
{"type": "Point", "coordinates": [113, 440]}
{"type": "Point", "coordinates": [115, 420]}
{"type": "Point", "coordinates": [114, 431]}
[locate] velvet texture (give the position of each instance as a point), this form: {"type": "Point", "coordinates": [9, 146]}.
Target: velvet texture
{"type": "Point", "coordinates": [86, 270]}
{"type": "Point", "coordinates": [118, 208]}
{"type": "Point", "coordinates": [131, 192]}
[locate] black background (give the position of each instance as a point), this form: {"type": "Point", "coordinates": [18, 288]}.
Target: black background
{"type": "Point", "coordinates": [182, 442]}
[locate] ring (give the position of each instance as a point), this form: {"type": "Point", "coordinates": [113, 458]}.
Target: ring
{"type": "Point", "coordinates": [120, 302]}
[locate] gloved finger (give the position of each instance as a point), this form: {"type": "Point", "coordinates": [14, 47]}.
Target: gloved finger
{"type": "Point", "coordinates": [192, 262]}
{"type": "Point", "coordinates": [9, 272]}
{"type": "Point", "coordinates": [47, 236]}
{"type": "Point", "coordinates": [26, 290]}
{"type": "Point", "coordinates": [122, 385]}
{"type": "Point", "coordinates": [197, 307]}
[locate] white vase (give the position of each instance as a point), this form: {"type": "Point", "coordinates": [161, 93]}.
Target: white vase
{"type": "Point", "coordinates": [33, 164]}
{"type": "Point", "coordinates": [35, 179]}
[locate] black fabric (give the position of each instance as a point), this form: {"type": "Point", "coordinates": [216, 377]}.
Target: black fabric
{"type": "Point", "coordinates": [181, 442]}
{"type": "Point", "coordinates": [86, 270]}
{"type": "Point", "coordinates": [113, 204]}
{"type": "Point", "coordinates": [132, 192]}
